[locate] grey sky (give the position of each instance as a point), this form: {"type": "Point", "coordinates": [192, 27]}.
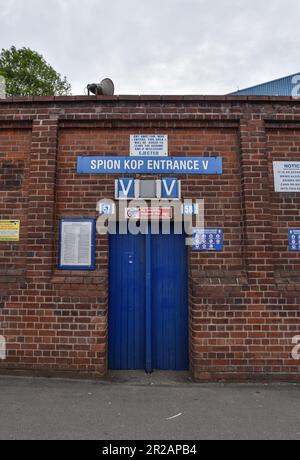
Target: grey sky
{"type": "Point", "coordinates": [159, 46]}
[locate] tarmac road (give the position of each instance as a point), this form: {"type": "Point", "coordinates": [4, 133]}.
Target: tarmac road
{"type": "Point", "coordinates": [145, 408]}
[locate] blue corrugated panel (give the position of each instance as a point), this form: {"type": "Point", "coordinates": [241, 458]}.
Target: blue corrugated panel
{"type": "Point", "coordinates": [169, 303]}
{"type": "Point", "coordinates": [281, 87]}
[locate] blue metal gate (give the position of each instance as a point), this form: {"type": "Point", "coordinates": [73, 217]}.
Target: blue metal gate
{"type": "Point", "coordinates": [148, 307]}
{"type": "Point", "coordinates": [127, 297]}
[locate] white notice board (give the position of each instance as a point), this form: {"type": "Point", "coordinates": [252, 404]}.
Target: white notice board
{"type": "Point", "coordinates": [77, 244]}
{"type": "Point", "coordinates": [286, 176]}
{"type": "Point", "coordinates": [149, 145]}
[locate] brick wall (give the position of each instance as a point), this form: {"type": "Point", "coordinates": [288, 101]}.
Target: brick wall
{"type": "Point", "coordinates": [244, 302]}
{"type": "Point", "coordinates": [14, 174]}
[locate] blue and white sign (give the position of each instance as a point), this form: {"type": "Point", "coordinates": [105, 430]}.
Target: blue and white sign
{"type": "Point", "coordinates": [294, 240]}
{"type": "Point", "coordinates": [190, 209]}
{"type": "Point", "coordinates": [148, 145]}
{"type": "Point", "coordinates": [106, 209]}
{"type": "Point", "coordinates": [208, 240]}
{"type": "Point", "coordinates": [170, 189]}
{"type": "Point", "coordinates": [146, 165]}
{"type": "Point", "coordinates": [126, 189]}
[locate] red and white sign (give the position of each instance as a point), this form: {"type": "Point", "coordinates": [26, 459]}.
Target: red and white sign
{"type": "Point", "coordinates": [149, 213]}
{"type": "Point", "coordinates": [132, 213]}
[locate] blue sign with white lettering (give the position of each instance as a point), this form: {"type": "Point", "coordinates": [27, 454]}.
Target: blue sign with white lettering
{"type": "Point", "coordinates": [126, 188]}
{"type": "Point", "coordinates": [146, 165]}
{"type": "Point", "coordinates": [170, 188]}
{"type": "Point", "coordinates": [190, 209]}
{"type": "Point", "coordinates": [107, 209]}
{"type": "Point", "coordinates": [294, 240]}
{"type": "Point", "coordinates": [208, 240]}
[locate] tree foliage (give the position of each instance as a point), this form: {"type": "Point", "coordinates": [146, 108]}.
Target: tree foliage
{"type": "Point", "coordinates": [28, 74]}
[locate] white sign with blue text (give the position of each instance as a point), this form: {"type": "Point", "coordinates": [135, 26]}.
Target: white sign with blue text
{"type": "Point", "coordinates": [148, 145]}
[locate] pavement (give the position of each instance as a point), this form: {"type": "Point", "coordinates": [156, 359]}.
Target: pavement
{"type": "Point", "coordinates": [134, 406]}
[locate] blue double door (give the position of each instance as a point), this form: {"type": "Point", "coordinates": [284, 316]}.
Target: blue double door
{"type": "Point", "coordinates": [148, 304]}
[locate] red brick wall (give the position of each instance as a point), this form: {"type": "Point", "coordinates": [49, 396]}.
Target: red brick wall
{"type": "Point", "coordinates": [14, 171]}
{"type": "Point", "coordinates": [244, 302]}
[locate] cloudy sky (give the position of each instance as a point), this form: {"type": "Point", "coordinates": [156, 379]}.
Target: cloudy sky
{"type": "Point", "coordinates": [159, 46]}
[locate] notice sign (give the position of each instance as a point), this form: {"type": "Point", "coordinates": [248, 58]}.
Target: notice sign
{"type": "Point", "coordinates": [208, 240]}
{"type": "Point", "coordinates": [148, 145]}
{"type": "Point", "coordinates": [294, 240]}
{"type": "Point", "coordinates": [149, 213]}
{"type": "Point", "coordinates": [287, 176]}
{"type": "Point", "coordinates": [77, 244]}
{"type": "Point", "coordinates": [9, 230]}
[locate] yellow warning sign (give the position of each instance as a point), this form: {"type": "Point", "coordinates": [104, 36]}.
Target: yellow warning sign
{"type": "Point", "coordinates": [9, 230]}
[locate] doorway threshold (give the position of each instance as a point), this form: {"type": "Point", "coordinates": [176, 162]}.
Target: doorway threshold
{"type": "Point", "coordinates": [156, 378]}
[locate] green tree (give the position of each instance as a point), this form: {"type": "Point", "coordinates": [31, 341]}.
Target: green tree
{"type": "Point", "coordinates": [28, 74]}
